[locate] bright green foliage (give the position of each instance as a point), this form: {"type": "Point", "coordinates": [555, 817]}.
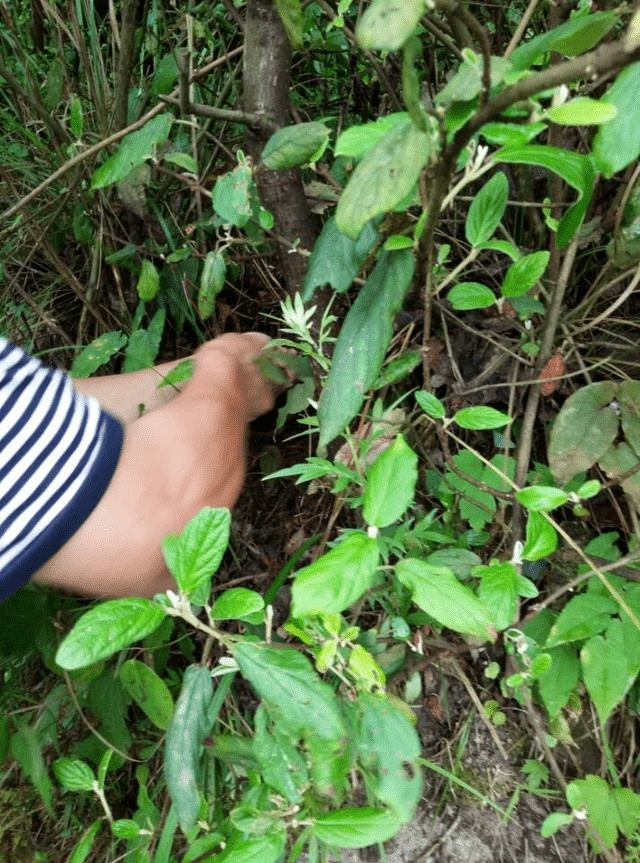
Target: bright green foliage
{"type": "Point", "coordinates": [541, 537]}
{"type": "Point", "coordinates": [73, 774]}
{"type": "Point", "coordinates": [97, 354]}
{"type": "Point", "coordinates": [391, 483]}
{"type": "Point", "coordinates": [107, 628]}
{"type": "Point", "coordinates": [471, 295]}
{"type": "Point", "coordinates": [356, 828]}
{"type": "Point", "coordinates": [238, 603]}
{"type": "Point", "coordinates": [481, 417]}
{"type": "Point", "coordinates": [617, 143]}
{"type": "Point", "coordinates": [524, 274]}
{"type": "Point", "coordinates": [585, 615]}
{"type": "Point", "coordinates": [212, 279]}
{"type": "Point", "coordinates": [356, 141]}
{"type": "Point", "coordinates": [290, 12]}
{"type": "Point", "coordinates": [609, 809]}
{"type": "Point", "coordinates": [149, 281]}
{"type": "Point", "coordinates": [232, 194]}
{"type": "Point", "coordinates": [144, 344]}
{"type": "Point", "coordinates": [387, 24]}
{"type": "Point", "coordinates": [582, 112]}
{"type": "Point", "coordinates": [336, 258]}
{"type": "Point", "coordinates": [540, 498]}
{"type": "Point", "coordinates": [573, 37]}
{"type": "Point", "coordinates": [195, 555]}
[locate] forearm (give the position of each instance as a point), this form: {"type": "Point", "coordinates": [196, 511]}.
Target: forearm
{"type": "Point", "coordinates": [127, 396]}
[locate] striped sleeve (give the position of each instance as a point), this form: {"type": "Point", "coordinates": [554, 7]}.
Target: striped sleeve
{"type": "Point", "coordinates": [58, 453]}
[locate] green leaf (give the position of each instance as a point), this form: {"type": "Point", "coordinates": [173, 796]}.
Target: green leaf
{"type": "Point", "coordinates": [510, 134]}
{"type": "Point", "coordinates": [524, 274]}
{"type": "Point", "coordinates": [542, 498]}
{"type": "Point", "coordinates": [391, 484]}
{"type": "Point", "coordinates": [605, 669]}
{"type": "Point", "coordinates": [290, 12]}
{"type": "Point", "coordinates": [296, 145]}
{"type": "Point", "coordinates": [287, 683]}
{"type": "Point", "coordinates": [487, 209]}
{"type": "Point", "coordinates": [571, 38]}
{"type": "Point", "coordinates": [386, 175]}
{"type": "Point", "coordinates": [238, 603]}
{"type": "Point", "coordinates": [184, 742]}
{"type": "Point", "coordinates": [471, 295]}
{"type": "Point", "coordinates": [182, 160]}
{"type": "Point", "coordinates": [629, 400]}
{"type": "Point", "coordinates": [583, 616]}
{"type": "Point", "coordinates": [177, 375]}
{"type": "Point", "coordinates": [387, 24]}
{"type": "Point", "coordinates": [541, 538]}
{"type": "Point", "coordinates": [576, 169]}
{"type": "Point", "coordinates": [356, 828]}
{"type": "Point", "coordinates": [481, 417]}
{"type": "Point", "coordinates": [133, 151]}
{"type": "Point", "coordinates": [583, 431]}
{"type": "Point", "coordinates": [554, 822]}
{"type": "Point", "coordinates": [149, 692]}
{"type": "Point", "coordinates": [556, 687]}
{"type": "Point", "coordinates": [76, 120]}
{"type": "Point", "coordinates": [398, 369]}
{"type": "Point", "coordinates": [388, 753]}
{"type": "Point", "coordinates": [336, 258]}
{"type": "Point", "coordinates": [148, 282]}
{"type": "Point", "coordinates": [609, 809]}
{"type": "Point", "coordinates": [363, 342]}
{"type": "Point", "coordinates": [437, 591]}
{"type": "Point", "coordinates": [125, 828]}
{"type": "Point", "coordinates": [97, 353]}
{"type": "Point", "coordinates": [466, 84]}
{"type": "Point", "coordinates": [74, 774]}
{"type": "Point", "coordinates": [257, 849]}
{"type": "Point", "coordinates": [618, 461]}
{"type": "Point", "coordinates": [498, 591]}
{"type": "Point", "coordinates": [337, 579]}
{"type": "Point", "coordinates": [582, 111]}
{"type": "Point", "coordinates": [165, 76]}
{"type": "Point", "coordinates": [214, 272]}
{"type": "Point", "coordinates": [232, 195]}
{"type": "Point", "coordinates": [459, 560]}
{"type": "Point", "coordinates": [198, 551]}
{"type": "Point", "coordinates": [431, 405]}
{"type": "Point", "coordinates": [26, 748]}
{"type": "Point", "coordinates": [84, 846]}
{"type": "Point", "coordinates": [281, 764]}
{"type": "Point", "coordinates": [144, 345]}
{"type": "Point", "coordinates": [476, 505]}
{"type": "Point", "coordinates": [356, 141]}
{"type": "Point", "coordinates": [106, 629]}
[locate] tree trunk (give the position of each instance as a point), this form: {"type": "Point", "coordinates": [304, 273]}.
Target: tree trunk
{"type": "Point", "coordinates": [267, 56]}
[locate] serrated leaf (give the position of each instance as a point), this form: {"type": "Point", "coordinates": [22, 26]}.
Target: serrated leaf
{"type": "Point", "coordinates": [238, 603]}
{"type": "Point", "coordinates": [555, 821]}
{"type": "Point", "coordinates": [97, 354]}
{"type": "Point", "coordinates": [74, 774]}
{"type": "Point", "coordinates": [199, 550]}
{"type": "Point", "coordinates": [125, 828]}
{"type": "Point", "coordinates": [387, 24]}
{"type": "Point", "coordinates": [386, 175]}
{"type": "Point", "coordinates": [575, 168]}
{"type": "Point", "coordinates": [609, 809]}
{"type": "Point", "coordinates": [293, 146]}
{"type": "Point", "coordinates": [431, 405]}
{"type": "Point", "coordinates": [481, 417]}
{"type": "Point", "coordinates": [133, 151]}
{"type": "Point", "coordinates": [336, 258]}
{"type": "Point", "coordinates": [391, 484]}
{"type": "Point", "coordinates": [487, 209]}
{"type": "Point", "coordinates": [356, 141]}
{"type": "Point", "coordinates": [356, 828]}
{"type": "Point", "coordinates": [542, 498]}
{"type": "Point", "coordinates": [186, 733]}
{"type": "Point", "coordinates": [107, 628]}
{"type": "Point", "coordinates": [437, 591]}
{"type": "Point", "coordinates": [471, 295]}
{"type": "Point", "coordinates": [337, 579]}
{"type": "Point", "coordinates": [583, 431]}
{"type": "Point", "coordinates": [541, 537]}
{"type": "Point", "coordinates": [362, 343]}
{"type": "Point", "coordinates": [582, 111]}
{"type": "Point", "coordinates": [287, 683]}
{"type": "Point", "coordinates": [149, 692]}
{"type": "Point", "coordinates": [583, 616]}
{"type": "Point", "coordinates": [524, 274]}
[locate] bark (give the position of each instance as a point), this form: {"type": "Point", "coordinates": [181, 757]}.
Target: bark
{"type": "Point", "coordinates": [267, 56]}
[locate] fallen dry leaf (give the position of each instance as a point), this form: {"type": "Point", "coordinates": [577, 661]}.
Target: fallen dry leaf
{"type": "Point", "coordinates": [549, 374]}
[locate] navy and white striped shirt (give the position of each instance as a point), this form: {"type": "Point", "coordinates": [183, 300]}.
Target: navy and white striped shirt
{"type": "Point", "coordinates": [58, 453]}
